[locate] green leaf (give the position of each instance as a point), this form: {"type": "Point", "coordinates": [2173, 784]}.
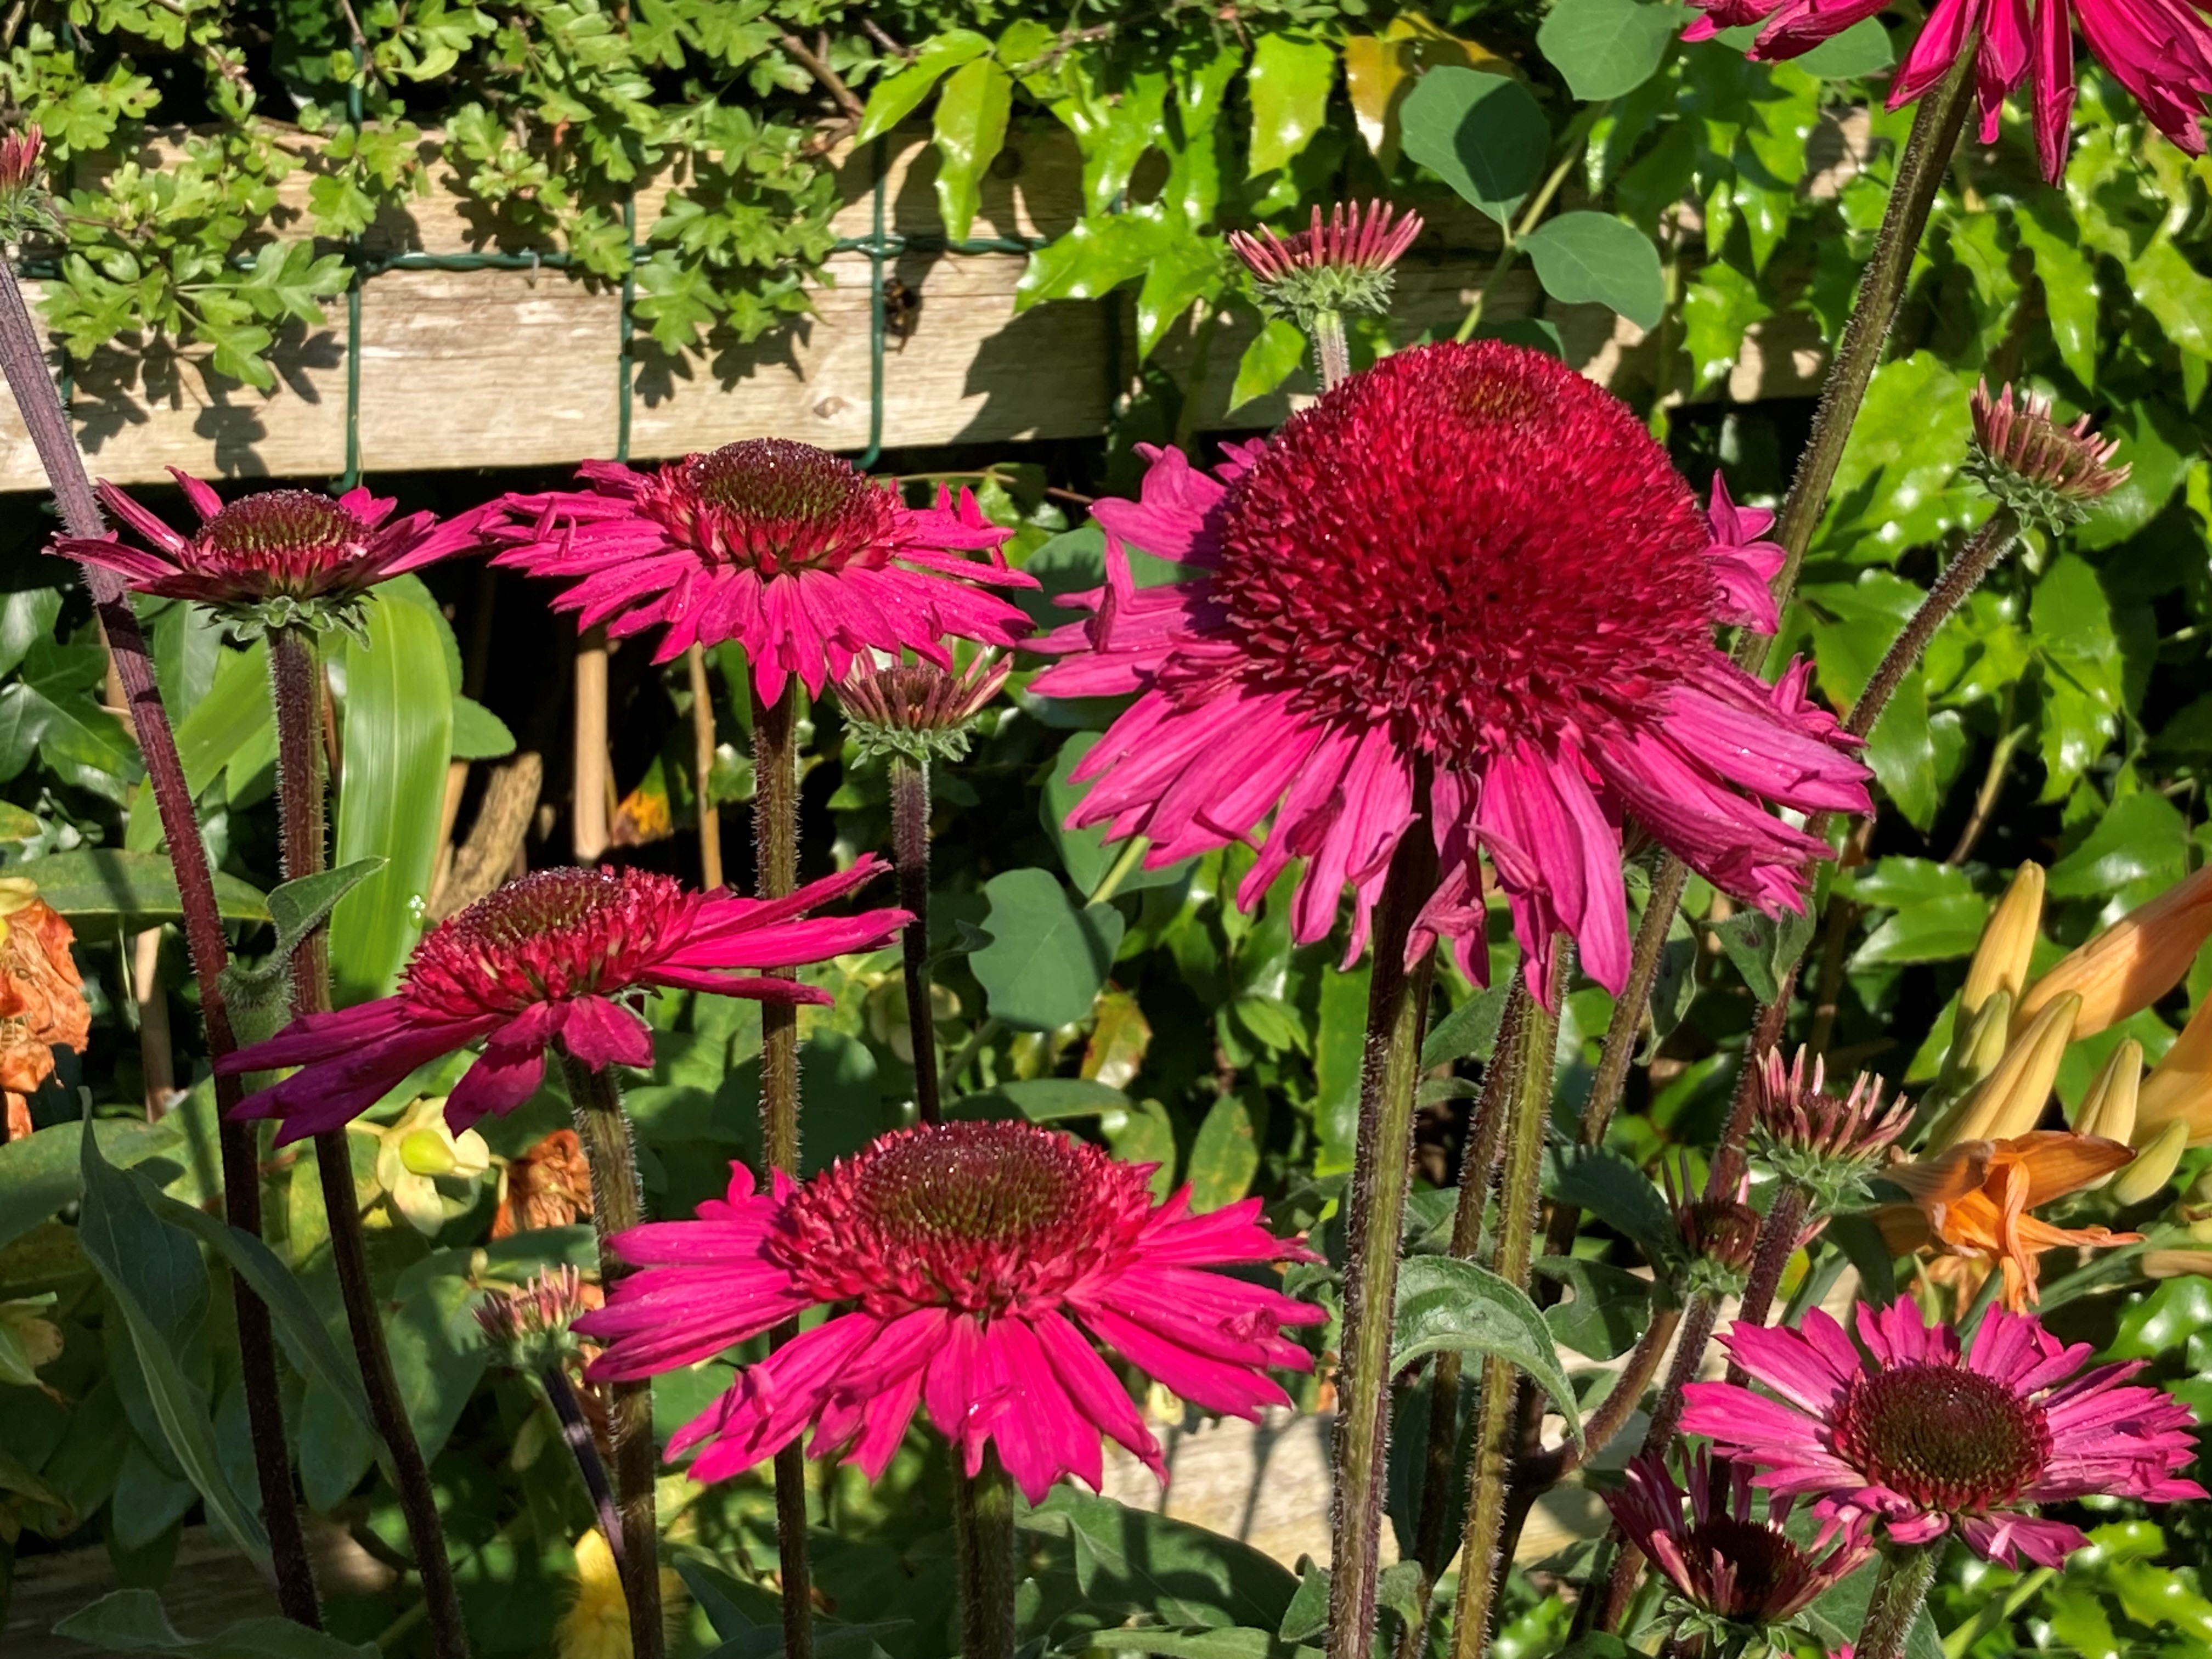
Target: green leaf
{"type": "Point", "coordinates": [1288, 85]}
{"type": "Point", "coordinates": [2084, 685]}
{"type": "Point", "coordinates": [1224, 1156]}
{"type": "Point", "coordinates": [2068, 276]}
{"type": "Point", "coordinates": [2139, 848]}
{"type": "Point", "coordinates": [1892, 486]}
{"type": "Point", "coordinates": [1608, 48]}
{"type": "Point", "coordinates": [1582, 257]}
{"type": "Point", "coordinates": [896, 96]}
{"type": "Point", "coordinates": [1764, 948]}
{"type": "Point", "coordinates": [1084, 853]}
{"type": "Point", "coordinates": [1273, 357]}
{"type": "Point", "coordinates": [1042, 1100]}
{"type": "Point", "coordinates": [479, 734]}
{"type": "Point", "coordinates": [1718, 310]}
{"type": "Point", "coordinates": [1470, 1031]}
{"type": "Point", "coordinates": [2177, 293]}
{"type": "Point", "coordinates": [1445, 1304]}
{"type": "Point", "coordinates": [1047, 959]}
{"type": "Point", "coordinates": [1939, 914]}
{"type": "Point", "coordinates": [134, 1621]}
{"type": "Point", "coordinates": [298, 907]}
{"type": "Point", "coordinates": [1861, 49]}
{"type": "Point", "coordinates": [1606, 1185]}
{"type": "Point", "coordinates": [298, 1324]}
{"type": "Point", "coordinates": [1339, 1049]}
{"type": "Point", "coordinates": [1189, 1642]}
{"type": "Point", "coordinates": [27, 617]}
{"type": "Point", "coordinates": [1136, 1561]}
{"type": "Point", "coordinates": [1145, 1134]}
{"type": "Point", "coordinates": [970, 131]}
{"type": "Point", "coordinates": [1188, 269]}
{"type": "Point", "coordinates": [137, 1256]}
{"type": "Point", "coordinates": [1093, 257]}
{"type": "Point", "coordinates": [1484, 134]}
{"type": "Point", "coordinates": [399, 732]}
{"type": "Point", "coordinates": [44, 1170]}
{"type": "Point", "coordinates": [99, 881]}
{"type": "Point", "coordinates": [1608, 1310]}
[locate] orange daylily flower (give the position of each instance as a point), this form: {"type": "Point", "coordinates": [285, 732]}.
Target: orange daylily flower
{"type": "Point", "coordinates": [41, 999]}
{"type": "Point", "coordinates": [1972, 1201]}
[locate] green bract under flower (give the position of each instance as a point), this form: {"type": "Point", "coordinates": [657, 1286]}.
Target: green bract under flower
{"type": "Point", "coordinates": [2050, 475]}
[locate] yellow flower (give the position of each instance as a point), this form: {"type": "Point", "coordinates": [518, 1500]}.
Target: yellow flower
{"type": "Point", "coordinates": [596, 1623]}
{"type": "Point", "coordinates": [2132, 963]}
{"type": "Point", "coordinates": [417, 1152]}
{"type": "Point", "coordinates": [1973, 1200]}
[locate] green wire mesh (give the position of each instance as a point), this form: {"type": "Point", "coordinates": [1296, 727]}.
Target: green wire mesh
{"type": "Point", "coordinates": [881, 247]}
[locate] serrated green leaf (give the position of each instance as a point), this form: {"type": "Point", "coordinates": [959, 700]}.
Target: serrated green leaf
{"type": "Point", "coordinates": [1447, 1305]}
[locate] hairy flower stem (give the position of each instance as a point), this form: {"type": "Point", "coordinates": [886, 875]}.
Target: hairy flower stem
{"type": "Point", "coordinates": [1960, 579]}
{"type": "Point", "coordinates": [25, 366]}
{"type": "Point", "coordinates": [1921, 166]}
{"type": "Point", "coordinates": [983, 1530]}
{"type": "Point", "coordinates": [1498, 1405]}
{"type": "Point", "coordinates": [1383, 1171]}
{"type": "Point", "coordinates": [1777, 1242]}
{"type": "Point", "coordinates": [911, 852]}
{"type": "Point", "coordinates": [595, 1101]}
{"type": "Point", "coordinates": [776, 856]}
{"type": "Point", "coordinates": [1900, 1590]}
{"type": "Point", "coordinates": [1432, 1542]}
{"type": "Point", "coordinates": [296, 686]}
{"type": "Point", "coordinates": [1332, 351]}
{"type": "Point", "coordinates": [576, 1435]}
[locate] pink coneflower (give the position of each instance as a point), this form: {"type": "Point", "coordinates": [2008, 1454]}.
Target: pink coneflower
{"type": "Point", "coordinates": [780, 547]}
{"type": "Point", "coordinates": [1467, 562]}
{"type": "Point", "coordinates": [1930, 1439]}
{"type": "Point", "coordinates": [969, 1260]}
{"type": "Point", "coordinates": [1730, 1564]}
{"type": "Point", "coordinates": [1745, 561]}
{"type": "Point", "coordinates": [550, 957]}
{"type": "Point", "coordinates": [2159, 50]}
{"type": "Point", "coordinates": [276, 555]}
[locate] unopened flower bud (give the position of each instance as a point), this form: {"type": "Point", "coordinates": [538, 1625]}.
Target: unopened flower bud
{"type": "Point", "coordinates": [919, 710]}
{"type": "Point", "coordinates": [2009, 1101]}
{"type": "Point", "coordinates": [2132, 963]}
{"type": "Point", "coordinates": [2175, 1264]}
{"type": "Point", "coordinates": [528, 1327]}
{"type": "Point", "coordinates": [2153, 1170]}
{"type": "Point", "coordinates": [2047, 473]}
{"type": "Point", "coordinates": [2001, 959]}
{"type": "Point", "coordinates": [2180, 1087]}
{"type": "Point", "coordinates": [1341, 264]}
{"type": "Point", "coordinates": [1976, 1047]}
{"type": "Point", "coordinates": [25, 207]}
{"type": "Point", "coordinates": [2109, 1108]}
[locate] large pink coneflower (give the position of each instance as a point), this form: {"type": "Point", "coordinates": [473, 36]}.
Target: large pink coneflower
{"type": "Point", "coordinates": [964, 1264]}
{"type": "Point", "coordinates": [1467, 562]}
{"type": "Point", "coordinates": [2159, 50]}
{"type": "Point", "coordinates": [276, 556]}
{"type": "Point", "coordinates": [782, 547]}
{"type": "Point", "coordinates": [1730, 1564]}
{"type": "Point", "coordinates": [557, 956]}
{"type": "Point", "coordinates": [1929, 1438]}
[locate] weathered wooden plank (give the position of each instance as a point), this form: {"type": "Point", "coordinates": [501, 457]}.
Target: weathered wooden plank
{"type": "Point", "coordinates": [517, 368]}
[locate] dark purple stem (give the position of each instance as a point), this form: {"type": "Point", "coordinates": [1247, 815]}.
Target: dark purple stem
{"type": "Point", "coordinates": [1777, 1242]}
{"type": "Point", "coordinates": [25, 365]}
{"type": "Point", "coordinates": [297, 679]}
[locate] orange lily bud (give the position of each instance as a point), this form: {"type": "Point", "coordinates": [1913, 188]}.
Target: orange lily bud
{"type": "Point", "coordinates": [2001, 959]}
{"type": "Point", "coordinates": [2180, 1085]}
{"type": "Point", "coordinates": [2109, 1108]}
{"type": "Point", "coordinates": [2175, 1264]}
{"type": "Point", "coordinates": [2132, 963]}
{"type": "Point", "coordinates": [2153, 1170]}
{"type": "Point", "coordinates": [2010, 1100]}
